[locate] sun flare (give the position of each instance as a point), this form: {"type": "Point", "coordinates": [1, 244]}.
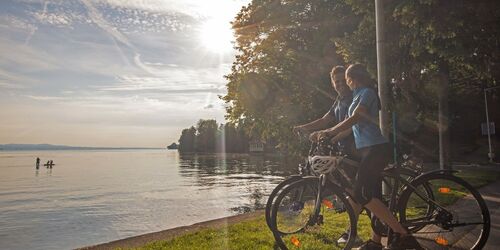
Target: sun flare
{"type": "Point", "coordinates": [216, 35]}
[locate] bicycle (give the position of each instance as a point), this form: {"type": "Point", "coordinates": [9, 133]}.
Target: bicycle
{"type": "Point", "coordinates": [308, 184]}
{"type": "Point", "coordinates": [305, 171]}
{"type": "Point", "coordinates": [305, 211]}
{"type": "Point", "coordinates": [310, 179]}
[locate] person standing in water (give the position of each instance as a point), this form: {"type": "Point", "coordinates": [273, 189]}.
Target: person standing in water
{"type": "Point", "coordinates": [37, 163]}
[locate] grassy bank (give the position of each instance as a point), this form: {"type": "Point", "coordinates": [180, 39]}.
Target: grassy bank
{"type": "Point", "coordinates": [254, 234]}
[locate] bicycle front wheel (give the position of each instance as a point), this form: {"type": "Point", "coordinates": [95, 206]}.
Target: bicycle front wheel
{"type": "Point", "coordinates": [460, 218]}
{"type": "Point", "coordinates": [303, 218]}
{"type": "Point", "coordinates": [274, 194]}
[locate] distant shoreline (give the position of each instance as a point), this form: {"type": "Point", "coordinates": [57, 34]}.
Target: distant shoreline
{"type": "Point", "coordinates": [48, 147]}
{"type": "Point", "coordinates": [69, 149]}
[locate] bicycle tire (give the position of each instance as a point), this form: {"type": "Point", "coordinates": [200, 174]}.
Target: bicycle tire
{"type": "Point", "coordinates": [274, 194]}
{"type": "Point", "coordinates": [299, 217]}
{"type": "Point", "coordinates": [453, 195]}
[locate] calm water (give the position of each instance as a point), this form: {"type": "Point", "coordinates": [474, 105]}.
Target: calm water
{"type": "Point", "coordinates": [92, 197]}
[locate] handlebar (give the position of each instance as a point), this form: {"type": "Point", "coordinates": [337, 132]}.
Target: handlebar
{"type": "Point", "coordinates": [323, 147]}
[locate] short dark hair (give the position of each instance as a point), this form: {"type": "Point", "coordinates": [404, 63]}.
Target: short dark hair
{"type": "Point", "coordinates": [359, 73]}
{"type": "Point", "coordinates": [339, 69]}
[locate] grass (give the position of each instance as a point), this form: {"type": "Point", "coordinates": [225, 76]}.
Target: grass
{"type": "Point", "coordinates": [250, 234]}
{"type": "Point", "coordinates": [254, 233]}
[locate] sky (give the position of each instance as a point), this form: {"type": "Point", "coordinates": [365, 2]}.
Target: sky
{"type": "Point", "coordinates": [117, 73]}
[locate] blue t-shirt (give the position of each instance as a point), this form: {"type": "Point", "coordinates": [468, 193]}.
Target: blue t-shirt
{"type": "Point", "coordinates": [367, 131]}
{"type": "Point", "coordinates": [339, 110]}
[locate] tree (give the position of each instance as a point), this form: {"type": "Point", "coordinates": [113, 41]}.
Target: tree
{"type": "Point", "coordinates": [206, 137]}
{"type": "Point", "coordinates": [280, 77]}
{"type": "Point", "coordinates": [187, 141]}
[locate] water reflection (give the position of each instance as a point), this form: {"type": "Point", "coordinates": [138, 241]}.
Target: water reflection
{"type": "Point", "coordinates": [253, 176]}
{"type": "Point", "coordinates": [217, 164]}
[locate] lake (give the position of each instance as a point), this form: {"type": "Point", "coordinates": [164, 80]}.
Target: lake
{"type": "Point", "coordinates": [97, 196]}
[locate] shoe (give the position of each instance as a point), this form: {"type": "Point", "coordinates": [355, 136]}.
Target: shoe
{"type": "Point", "coordinates": [345, 237]}
{"type": "Point", "coordinates": [370, 245]}
{"type": "Point", "coordinates": [404, 242]}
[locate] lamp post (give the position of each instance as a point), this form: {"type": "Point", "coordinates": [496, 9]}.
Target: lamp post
{"type": "Point", "coordinates": [491, 155]}
{"type": "Point", "coordinates": [383, 86]}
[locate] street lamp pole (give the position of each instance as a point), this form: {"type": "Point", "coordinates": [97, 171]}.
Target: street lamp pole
{"type": "Point", "coordinates": [491, 155]}
{"type": "Point", "coordinates": [383, 85]}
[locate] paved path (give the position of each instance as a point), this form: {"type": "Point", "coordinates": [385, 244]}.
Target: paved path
{"type": "Point", "coordinates": [491, 194]}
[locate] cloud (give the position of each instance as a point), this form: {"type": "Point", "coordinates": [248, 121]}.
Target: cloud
{"type": "Point", "coordinates": [194, 8]}
{"type": "Point", "coordinates": [46, 98]}
{"type": "Point", "coordinates": [14, 81]}
{"type": "Point", "coordinates": [98, 19]}
{"type": "Point", "coordinates": [6, 85]}
{"type": "Point", "coordinates": [26, 57]}
{"type": "Point", "coordinates": [13, 22]}
{"type": "Point", "coordinates": [56, 19]}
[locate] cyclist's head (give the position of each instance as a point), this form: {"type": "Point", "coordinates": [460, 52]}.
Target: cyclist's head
{"type": "Point", "coordinates": [357, 76]}
{"type": "Point", "coordinates": [337, 77]}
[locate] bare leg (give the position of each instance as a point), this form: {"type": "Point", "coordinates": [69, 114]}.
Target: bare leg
{"type": "Point", "coordinates": [382, 212]}
{"type": "Point", "coordinates": [357, 210]}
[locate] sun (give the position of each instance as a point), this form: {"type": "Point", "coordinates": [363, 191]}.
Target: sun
{"type": "Point", "coordinates": [216, 36]}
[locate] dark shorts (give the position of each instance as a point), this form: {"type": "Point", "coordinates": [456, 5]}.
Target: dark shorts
{"type": "Point", "coordinates": [368, 182]}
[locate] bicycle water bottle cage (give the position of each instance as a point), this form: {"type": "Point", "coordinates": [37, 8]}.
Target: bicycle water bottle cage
{"type": "Point", "coordinates": [324, 164]}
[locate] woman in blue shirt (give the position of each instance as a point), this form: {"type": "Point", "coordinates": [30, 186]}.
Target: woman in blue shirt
{"type": "Point", "coordinates": [375, 151]}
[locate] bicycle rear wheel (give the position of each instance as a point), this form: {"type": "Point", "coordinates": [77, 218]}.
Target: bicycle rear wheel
{"type": "Point", "coordinates": [303, 218]}
{"type": "Point", "coordinates": [403, 176]}
{"type": "Point", "coordinates": [460, 218]}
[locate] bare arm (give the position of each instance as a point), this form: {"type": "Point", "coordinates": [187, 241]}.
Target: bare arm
{"type": "Point", "coordinates": [318, 124]}
{"type": "Point", "coordinates": [341, 135]}
{"type": "Point", "coordinates": [361, 112]}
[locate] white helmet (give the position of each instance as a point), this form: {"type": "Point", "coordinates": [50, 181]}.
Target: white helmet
{"type": "Point", "coordinates": [324, 164]}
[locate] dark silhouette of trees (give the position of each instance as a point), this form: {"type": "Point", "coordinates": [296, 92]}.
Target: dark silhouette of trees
{"type": "Point", "coordinates": [205, 138]}
{"type": "Point", "coordinates": [187, 141]}
{"type": "Point", "coordinates": [209, 137]}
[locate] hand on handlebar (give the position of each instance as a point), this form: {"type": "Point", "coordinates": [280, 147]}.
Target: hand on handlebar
{"type": "Point", "coordinates": [314, 136]}
{"type": "Point", "coordinates": [318, 135]}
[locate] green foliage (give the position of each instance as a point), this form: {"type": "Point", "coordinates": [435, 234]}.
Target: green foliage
{"type": "Point", "coordinates": [286, 49]}
{"type": "Point", "coordinates": [205, 139]}
{"type": "Point", "coordinates": [280, 77]}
